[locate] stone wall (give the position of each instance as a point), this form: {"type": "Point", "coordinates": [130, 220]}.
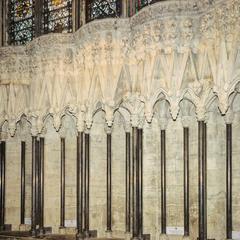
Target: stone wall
{"type": "Point", "coordinates": [216, 172]}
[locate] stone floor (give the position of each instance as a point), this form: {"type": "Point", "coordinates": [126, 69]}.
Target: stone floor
{"type": "Point", "coordinates": [25, 236]}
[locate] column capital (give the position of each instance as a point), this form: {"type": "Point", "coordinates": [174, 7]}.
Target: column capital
{"type": "Point", "coordinates": [62, 133]}
{"type": "Point", "coordinates": [108, 129]}
{"type": "Point", "coordinates": [186, 121]}
{"type": "Point", "coordinates": [127, 127]}
{"type": "Point", "coordinates": [163, 122]}
{"type": "Point", "coordinates": [229, 116]}
{"type": "Point", "coordinates": [201, 112]}
{"type": "Point", "coordinates": [87, 130]}
{"type": "Point", "coordinates": [134, 120]}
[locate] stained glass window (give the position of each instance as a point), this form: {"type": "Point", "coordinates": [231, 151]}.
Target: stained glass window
{"type": "Point", "coordinates": [142, 3]}
{"type": "Point", "coordinates": [21, 21]}
{"type": "Point", "coordinates": [97, 9]}
{"type": "Point", "coordinates": [57, 16]}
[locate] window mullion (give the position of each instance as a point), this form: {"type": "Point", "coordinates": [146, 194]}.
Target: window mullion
{"type": "Point", "coordinates": [38, 10]}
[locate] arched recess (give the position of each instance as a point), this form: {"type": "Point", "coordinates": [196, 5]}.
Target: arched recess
{"type": "Point", "coordinates": [98, 166]}
{"type": "Point", "coordinates": [235, 161]}
{"type": "Point", "coordinates": [52, 172]}
{"type": "Point", "coordinates": [216, 169]}
{"type": "Point", "coordinates": [13, 171]}
{"type": "Point", "coordinates": [118, 174]}
{"type": "Point", "coordinates": [68, 131]}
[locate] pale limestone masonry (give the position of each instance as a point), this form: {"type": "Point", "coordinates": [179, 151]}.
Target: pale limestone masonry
{"type": "Point", "coordinates": [170, 65]}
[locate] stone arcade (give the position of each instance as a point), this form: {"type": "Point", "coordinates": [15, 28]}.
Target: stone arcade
{"type": "Point", "coordinates": [126, 128]}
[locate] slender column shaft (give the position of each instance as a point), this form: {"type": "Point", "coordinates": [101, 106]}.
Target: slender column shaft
{"type": "Point", "coordinates": [1, 225]}
{"type": "Point", "coordinates": [2, 184]}
{"type": "Point", "coordinates": [128, 182]}
{"type": "Point", "coordinates": [23, 151]}
{"type": "Point", "coordinates": [163, 181]}
{"type": "Point", "coordinates": [3, 22]}
{"type": "Point", "coordinates": [229, 179]}
{"type": "Point", "coordinates": [80, 140]}
{"type": "Point", "coordinates": [202, 179]}
{"type": "Point", "coordinates": [186, 179]}
{"type": "Point", "coordinates": [140, 171]}
{"type": "Point", "coordinates": [37, 191]}
{"type": "Point", "coordinates": [62, 211]}
{"type": "Point", "coordinates": [135, 183]}
{"type": "Point", "coordinates": [41, 181]}
{"type": "Point", "coordinates": [109, 182]}
{"type": "Point", "coordinates": [77, 15]}
{"type": "Point", "coordinates": [86, 185]}
{"type": "Point", "coordinates": [33, 200]}
{"type": "Point", "coordinates": [38, 17]}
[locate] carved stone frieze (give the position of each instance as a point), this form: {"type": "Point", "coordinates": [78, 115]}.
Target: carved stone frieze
{"type": "Point", "coordinates": [174, 49]}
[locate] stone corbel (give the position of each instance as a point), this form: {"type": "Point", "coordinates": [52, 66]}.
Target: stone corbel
{"type": "Point", "coordinates": [148, 111]}
{"type": "Point", "coordinates": [109, 114]}
{"type": "Point", "coordinates": [174, 107]}
{"type": "Point", "coordinates": [12, 127]}
{"type": "Point", "coordinates": [37, 125]}
{"type": "Point", "coordinates": [108, 129]}
{"type": "Point", "coordinates": [57, 121]}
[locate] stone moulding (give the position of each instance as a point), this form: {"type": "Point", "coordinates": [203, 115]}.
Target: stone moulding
{"type": "Point", "coordinates": [171, 50]}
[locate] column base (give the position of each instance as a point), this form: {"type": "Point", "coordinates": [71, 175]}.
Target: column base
{"type": "Point", "coordinates": [146, 236]}
{"type": "Point", "coordinates": [6, 228]}
{"type": "Point", "coordinates": [61, 230]}
{"type": "Point", "coordinates": [33, 232]}
{"type": "Point", "coordinates": [108, 234]}
{"type": "Point", "coordinates": [163, 236]}
{"type": "Point", "coordinates": [90, 233]}
{"type": "Point", "coordinates": [24, 227]}
{"type": "Point", "coordinates": [79, 236]}
{"type": "Point", "coordinates": [128, 236]}
{"type": "Point", "coordinates": [67, 230]}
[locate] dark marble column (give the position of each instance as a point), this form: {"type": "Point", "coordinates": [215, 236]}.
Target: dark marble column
{"type": "Point", "coordinates": [62, 211]}
{"type": "Point", "coordinates": [140, 172]}
{"type": "Point", "coordinates": [41, 187]}
{"type": "Point", "coordinates": [23, 159]}
{"type": "Point", "coordinates": [128, 183]}
{"type": "Point", "coordinates": [229, 180]}
{"type": "Point", "coordinates": [135, 184]}
{"type": "Point", "coordinates": [37, 169]}
{"type": "Point", "coordinates": [186, 179]}
{"type": "Point", "coordinates": [3, 23]}
{"type": "Point", "coordinates": [202, 179]}
{"type": "Point", "coordinates": [109, 181]}
{"type": "Point", "coordinates": [2, 185]}
{"type": "Point", "coordinates": [34, 188]}
{"type": "Point", "coordinates": [163, 182]}
{"type": "Point", "coordinates": [86, 185]}
{"type": "Point", "coordinates": [80, 172]}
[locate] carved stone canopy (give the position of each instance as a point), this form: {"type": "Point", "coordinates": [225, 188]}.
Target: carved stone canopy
{"type": "Point", "coordinates": [173, 50]}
